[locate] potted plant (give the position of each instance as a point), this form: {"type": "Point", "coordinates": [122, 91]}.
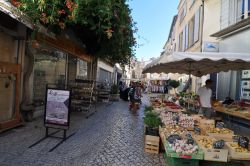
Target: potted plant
{"type": "Point", "coordinates": [174, 84]}
{"type": "Point", "coordinates": [152, 122]}
{"type": "Point", "coordinates": [114, 93]}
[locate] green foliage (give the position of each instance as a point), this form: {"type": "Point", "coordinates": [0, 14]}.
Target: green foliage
{"type": "Point", "coordinates": [108, 21]}
{"type": "Point", "coordinates": [152, 119]}
{"type": "Point", "coordinates": [174, 84]}
{"type": "Point", "coordinates": [148, 109]}
{"type": "Point", "coordinates": [114, 89]}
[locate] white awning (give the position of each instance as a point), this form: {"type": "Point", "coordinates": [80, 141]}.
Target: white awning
{"type": "Point", "coordinates": [199, 63]}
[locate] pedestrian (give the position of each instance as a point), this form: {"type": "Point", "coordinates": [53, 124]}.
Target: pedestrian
{"type": "Point", "coordinates": [205, 99]}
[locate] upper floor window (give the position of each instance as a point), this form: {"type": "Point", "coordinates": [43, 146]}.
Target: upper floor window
{"type": "Point", "coordinates": [191, 3]}
{"type": "Point", "coordinates": [183, 11]}
{"type": "Point", "coordinates": [239, 10]}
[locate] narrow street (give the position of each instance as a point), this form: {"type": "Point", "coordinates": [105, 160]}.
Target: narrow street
{"type": "Point", "coordinates": [112, 136]}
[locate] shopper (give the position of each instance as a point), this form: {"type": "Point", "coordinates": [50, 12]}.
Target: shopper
{"type": "Point", "coordinates": [205, 99]}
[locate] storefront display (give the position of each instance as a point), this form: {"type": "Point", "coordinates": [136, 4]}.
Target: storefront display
{"type": "Point", "coordinates": [49, 68]}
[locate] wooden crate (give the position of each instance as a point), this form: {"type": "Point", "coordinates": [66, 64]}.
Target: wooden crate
{"type": "Point", "coordinates": [237, 155]}
{"type": "Point", "coordinates": [226, 137]}
{"type": "Point", "coordinates": [220, 155]}
{"type": "Point", "coordinates": [152, 144]}
{"type": "Point", "coordinates": [208, 122]}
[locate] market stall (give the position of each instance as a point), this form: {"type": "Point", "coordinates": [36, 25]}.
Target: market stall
{"type": "Point", "coordinates": [190, 139]}
{"type": "Point", "coordinates": [209, 142]}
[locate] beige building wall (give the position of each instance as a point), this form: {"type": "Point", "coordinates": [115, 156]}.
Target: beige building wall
{"type": "Point", "coordinates": [212, 10]}
{"type": "Point", "coordinates": [211, 24]}
{"type": "Point", "coordinates": [191, 9]}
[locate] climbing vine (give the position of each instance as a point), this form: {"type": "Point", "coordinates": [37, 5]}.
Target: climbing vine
{"type": "Point", "coordinates": [108, 21]}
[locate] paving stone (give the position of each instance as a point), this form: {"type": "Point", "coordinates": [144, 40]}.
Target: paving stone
{"type": "Point", "coordinates": [112, 136]}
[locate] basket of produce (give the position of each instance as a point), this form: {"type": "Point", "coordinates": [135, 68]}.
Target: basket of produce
{"type": "Point", "coordinates": [183, 148]}
{"type": "Point", "coordinates": [220, 133]}
{"type": "Point", "coordinates": [213, 150]}
{"type": "Point", "coordinates": [237, 152]}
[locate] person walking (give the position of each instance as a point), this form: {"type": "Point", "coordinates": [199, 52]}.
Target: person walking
{"type": "Point", "coordinates": [205, 99]}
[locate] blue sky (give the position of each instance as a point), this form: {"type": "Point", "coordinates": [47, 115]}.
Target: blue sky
{"type": "Point", "coordinates": [154, 18]}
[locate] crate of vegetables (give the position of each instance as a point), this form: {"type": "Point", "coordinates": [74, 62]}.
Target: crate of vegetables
{"type": "Point", "coordinates": [237, 152]}
{"type": "Point", "coordinates": [220, 133]}
{"type": "Point", "coordinates": [212, 153]}
{"type": "Point", "coordinates": [183, 149]}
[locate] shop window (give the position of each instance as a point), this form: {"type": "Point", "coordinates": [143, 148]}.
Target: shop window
{"type": "Point", "coordinates": [49, 68]}
{"type": "Point", "coordinates": [105, 76]}
{"type": "Point", "coordinates": [82, 69]}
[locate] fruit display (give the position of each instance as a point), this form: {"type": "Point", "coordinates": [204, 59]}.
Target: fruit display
{"type": "Point", "coordinates": [186, 121]}
{"type": "Point", "coordinates": [243, 142]}
{"type": "Point", "coordinates": [219, 130]}
{"type": "Point", "coordinates": [238, 148]}
{"type": "Point", "coordinates": [183, 120]}
{"type": "Point", "coordinates": [168, 118]}
{"type": "Point", "coordinates": [172, 138]}
{"type": "Point", "coordinates": [176, 131]}
{"type": "Point", "coordinates": [219, 144]}
{"type": "Point", "coordinates": [206, 142]}
{"type": "Point", "coordinates": [182, 147]}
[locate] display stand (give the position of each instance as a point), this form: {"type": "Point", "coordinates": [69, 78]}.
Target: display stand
{"type": "Point", "coordinates": [56, 114]}
{"type": "Point", "coordinates": [52, 135]}
{"type": "Point", "coordinates": [103, 92]}
{"type": "Point", "coordinates": [83, 97]}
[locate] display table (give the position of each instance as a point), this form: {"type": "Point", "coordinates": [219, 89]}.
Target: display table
{"type": "Point", "coordinates": [244, 115]}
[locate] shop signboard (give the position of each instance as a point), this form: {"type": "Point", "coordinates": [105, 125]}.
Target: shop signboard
{"type": "Point", "coordinates": [210, 47]}
{"type": "Point", "coordinates": [57, 107]}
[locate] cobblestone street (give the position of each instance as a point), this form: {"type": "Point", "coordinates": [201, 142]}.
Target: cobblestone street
{"type": "Point", "coordinates": [112, 136]}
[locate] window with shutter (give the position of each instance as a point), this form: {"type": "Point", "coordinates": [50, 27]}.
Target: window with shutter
{"type": "Point", "coordinates": [196, 25]}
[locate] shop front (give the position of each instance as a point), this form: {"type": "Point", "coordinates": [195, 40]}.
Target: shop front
{"type": "Point", "coordinates": [105, 72]}
{"type": "Point", "coordinates": [12, 35]}
{"type": "Point", "coordinates": [56, 63]}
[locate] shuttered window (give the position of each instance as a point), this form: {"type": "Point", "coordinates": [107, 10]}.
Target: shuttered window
{"type": "Point", "coordinates": [196, 25]}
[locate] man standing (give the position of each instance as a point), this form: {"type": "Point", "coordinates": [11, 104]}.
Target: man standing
{"type": "Point", "coordinates": [205, 99]}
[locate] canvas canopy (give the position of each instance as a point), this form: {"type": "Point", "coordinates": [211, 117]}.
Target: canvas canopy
{"type": "Point", "coordinates": [199, 63]}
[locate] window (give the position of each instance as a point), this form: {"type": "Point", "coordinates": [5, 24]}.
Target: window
{"type": "Point", "coordinates": [191, 3]}
{"type": "Point", "coordinates": [186, 37]}
{"type": "Point", "coordinates": [239, 10]}
{"type": "Point", "coordinates": [191, 32]}
{"type": "Point", "coordinates": [183, 12]}
{"type": "Point", "coordinates": [181, 41]}
{"type": "Point", "coordinates": [196, 25]}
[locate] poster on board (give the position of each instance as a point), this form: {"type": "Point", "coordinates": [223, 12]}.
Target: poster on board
{"type": "Point", "coordinates": [57, 107]}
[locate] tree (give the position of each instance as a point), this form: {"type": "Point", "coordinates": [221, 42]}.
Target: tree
{"type": "Point", "coordinates": [104, 26]}
{"type": "Point", "coordinates": [174, 84]}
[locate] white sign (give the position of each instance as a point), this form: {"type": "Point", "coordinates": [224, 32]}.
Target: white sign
{"type": "Point", "coordinates": [57, 107]}
{"type": "Point", "coordinates": [210, 47]}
